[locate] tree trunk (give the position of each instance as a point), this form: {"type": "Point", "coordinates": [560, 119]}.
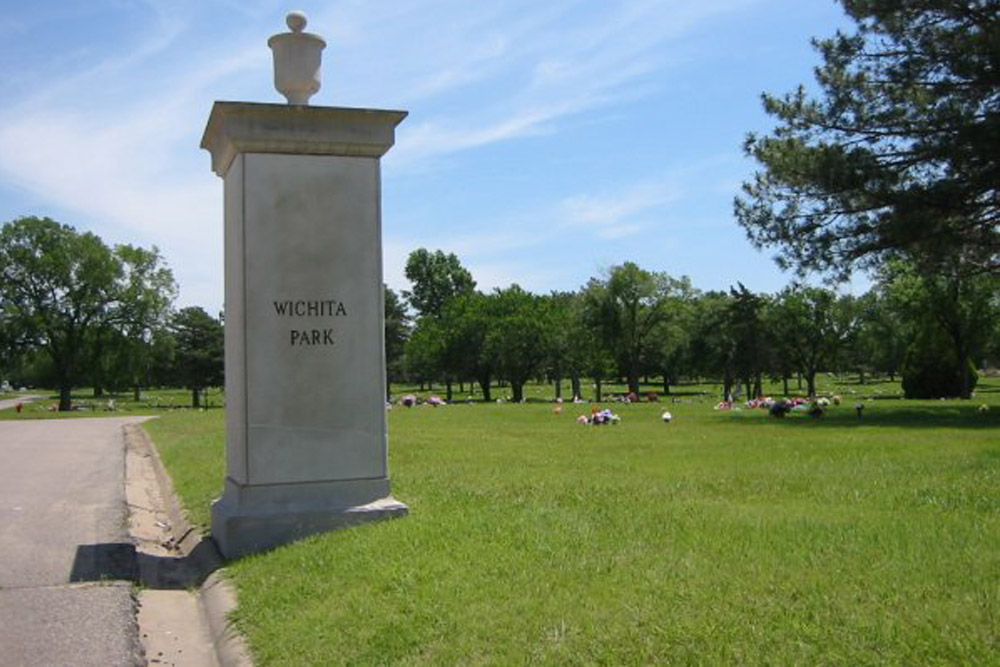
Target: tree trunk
{"type": "Point", "coordinates": [597, 389]}
{"type": "Point", "coordinates": [558, 382]}
{"type": "Point", "coordinates": [758, 386]}
{"type": "Point", "coordinates": [195, 398]}
{"type": "Point", "coordinates": [517, 390]}
{"type": "Point", "coordinates": [574, 380]}
{"type": "Point", "coordinates": [461, 386]}
{"type": "Point", "coordinates": [633, 382]}
{"type": "Point", "coordinates": [484, 384]}
{"type": "Point", "coordinates": [98, 389]}
{"type": "Point", "coordinates": [666, 384]}
{"type": "Point", "coordinates": [962, 355]}
{"type": "Point", "coordinates": [861, 376]}
{"type": "Point", "coordinates": [65, 397]}
{"type": "Point", "coordinates": [136, 393]}
{"type": "Point", "coordinates": [784, 383]}
{"type": "Point", "coordinates": [811, 383]}
{"type": "Point", "coordinates": [447, 390]}
{"type": "Point", "coordinates": [799, 375]}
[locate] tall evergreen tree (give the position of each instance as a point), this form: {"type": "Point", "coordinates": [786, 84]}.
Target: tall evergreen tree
{"type": "Point", "coordinates": [200, 351]}
{"type": "Point", "coordinates": [899, 154]}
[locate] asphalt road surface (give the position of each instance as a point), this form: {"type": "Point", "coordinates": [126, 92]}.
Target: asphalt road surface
{"type": "Point", "coordinates": [65, 553]}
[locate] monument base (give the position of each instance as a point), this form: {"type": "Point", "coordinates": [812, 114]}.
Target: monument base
{"type": "Point", "coordinates": [251, 518]}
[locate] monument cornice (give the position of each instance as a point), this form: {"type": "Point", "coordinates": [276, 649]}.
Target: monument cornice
{"type": "Point", "coordinates": [248, 127]}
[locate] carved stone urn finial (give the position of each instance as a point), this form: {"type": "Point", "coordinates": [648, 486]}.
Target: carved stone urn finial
{"type": "Point", "coordinates": [297, 59]}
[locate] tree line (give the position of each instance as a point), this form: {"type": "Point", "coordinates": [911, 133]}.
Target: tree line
{"type": "Point", "coordinates": [891, 166]}
{"type": "Point", "coordinates": [75, 312]}
{"type": "Point", "coordinates": [631, 324]}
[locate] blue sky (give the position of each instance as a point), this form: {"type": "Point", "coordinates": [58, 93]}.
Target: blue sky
{"type": "Point", "coordinates": [546, 141]}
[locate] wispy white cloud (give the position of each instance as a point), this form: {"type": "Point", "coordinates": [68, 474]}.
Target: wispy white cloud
{"type": "Point", "coordinates": [115, 136]}
{"type": "Point", "coordinates": [614, 215]}
{"type": "Point", "coordinates": [501, 79]}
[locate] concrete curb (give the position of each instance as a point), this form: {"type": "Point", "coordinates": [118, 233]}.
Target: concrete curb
{"type": "Point", "coordinates": [217, 595]}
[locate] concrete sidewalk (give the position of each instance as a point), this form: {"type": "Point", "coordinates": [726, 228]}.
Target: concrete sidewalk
{"type": "Point", "coordinates": [65, 552]}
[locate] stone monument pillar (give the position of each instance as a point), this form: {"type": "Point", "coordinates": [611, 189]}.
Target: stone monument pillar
{"type": "Point", "coordinates": [306, 447]}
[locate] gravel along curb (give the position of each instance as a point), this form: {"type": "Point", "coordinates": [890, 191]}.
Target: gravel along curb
{"type": "Point", "coordinates": [179, 556]}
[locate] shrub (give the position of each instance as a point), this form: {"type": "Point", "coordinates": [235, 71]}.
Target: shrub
{"type": "Point", "coordinates": [930, 369]}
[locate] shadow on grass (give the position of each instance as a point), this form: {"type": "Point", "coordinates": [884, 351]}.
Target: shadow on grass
{"type": "Point", "coordinates": [962, 417]}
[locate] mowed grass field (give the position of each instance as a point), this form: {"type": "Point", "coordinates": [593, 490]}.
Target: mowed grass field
{"type": "Point", "coordinates": [720, 537]}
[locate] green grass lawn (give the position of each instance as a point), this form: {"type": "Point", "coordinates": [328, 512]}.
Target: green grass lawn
{"type": "Point", "coordinates": [111, 404]}
{"type": "Point", "coordinates": [720, 537]}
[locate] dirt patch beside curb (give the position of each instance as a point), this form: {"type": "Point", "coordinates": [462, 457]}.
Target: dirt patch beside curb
{"type": "Point", "coordinates": [186, 599]}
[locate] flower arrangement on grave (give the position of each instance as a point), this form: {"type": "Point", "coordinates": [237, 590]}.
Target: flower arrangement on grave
{"type": "Point", "coordinates": [599, 417]}
{"type": "Point", "coordinates": [409, 400]}
{"type": "Point", "coordinates": [779, 408]}
{"type": "Point", "coordinates": [435, 401]}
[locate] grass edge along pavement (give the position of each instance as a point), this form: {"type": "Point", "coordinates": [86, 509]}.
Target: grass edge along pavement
{"type": "Point", "coordinates": [719, 537]}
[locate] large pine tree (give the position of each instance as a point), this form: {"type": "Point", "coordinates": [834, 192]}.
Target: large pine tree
{"type": "Point", "coordinates": [897, 154]}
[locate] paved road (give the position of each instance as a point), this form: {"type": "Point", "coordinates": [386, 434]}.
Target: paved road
{"type": "Point", "coordinates": [65, 553]}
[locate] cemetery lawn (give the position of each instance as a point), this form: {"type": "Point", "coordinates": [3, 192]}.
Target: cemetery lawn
{"type": "Point", "coordinates": [720, 537]}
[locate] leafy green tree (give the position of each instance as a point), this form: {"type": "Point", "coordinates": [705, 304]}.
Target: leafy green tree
{"type": "Point", "coordinates": [145, 295]}
{"type": "Point", "coordinates": [436, 278]}
{"type": "Point", "coordinates": [58, 285]}
{"type": "Point", "coordinates": [466, 323]}
{"type": "Point", "coordinates": [397, 331]}
{"type": "Point", "coordinates": [13, 347]}
{"type": "Point", "coordinates": [963, 307]}
{"type": "Point", "coordinates": [778, 362]}
{"type": "Point", "coordinates": [930, 368]}
{"type": "Point", "coordinates": [813, 325]}
{"type": "Point", "coordinates": [883, 334]}
{"type": "Point", "coordinates": [425, 351]}
{"type": "Point", "coordinates": [899, 155]}
{"type": "Point", "coordinates": [746, 325]}
{"type": "Point", "coordinates": [559, 360]}
{"type": "Point", "coordinates": [669, 353]}
{"type": "Point", "coordinates": [575, 347]}
{"type": "Point", "coordinates": [713, 345]}
{"type": "Point", "coordinates": [626, 308]}
{"type": "Point", "coordinates": [200, 351]}
{"type": "Point", "coordinates": [518, 337]}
